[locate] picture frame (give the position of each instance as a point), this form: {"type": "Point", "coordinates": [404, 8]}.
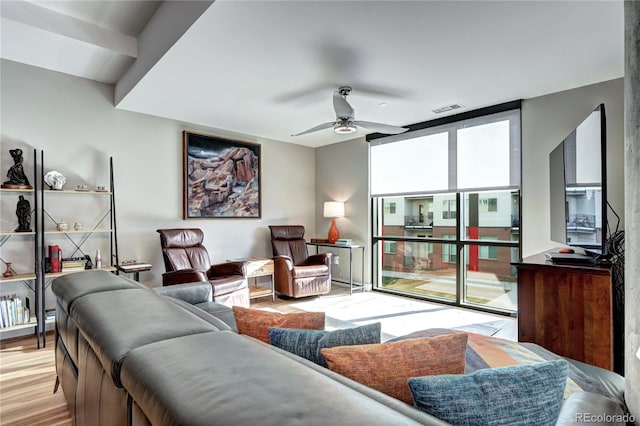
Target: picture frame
{"type": "Point", "coordinates": [221, 178]}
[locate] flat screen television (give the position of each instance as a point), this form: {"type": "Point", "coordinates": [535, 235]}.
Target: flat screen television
{"type": "Point", "coordinates": [578, 186]}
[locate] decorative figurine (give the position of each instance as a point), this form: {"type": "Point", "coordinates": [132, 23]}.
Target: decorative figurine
{"type": "Point", "coordinates": [9, 272]}
{"type": "Point", "coordinates": [55, 180]}
{"type": "Point", "coordinates": [23, 211]}
{"type": "Point", "coordinates": [17, 178]}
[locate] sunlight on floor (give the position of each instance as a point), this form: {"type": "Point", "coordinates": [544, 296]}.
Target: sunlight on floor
{"type": "Point", "coordinates": [399, 315]}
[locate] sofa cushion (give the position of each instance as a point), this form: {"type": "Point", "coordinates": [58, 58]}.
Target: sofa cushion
{"type": "Point", "coordinates": [387, 366]}
{"type": "Point", "coordinates": [524, 394]}
{"type": "Point", "coordinates": [309, 343]}
{"type": "Point", "coordinates": [115, 322]}
{"type": "Point", "coordinates": [256, 322]}
{"type": "Point", "coordinates": [70, 287]}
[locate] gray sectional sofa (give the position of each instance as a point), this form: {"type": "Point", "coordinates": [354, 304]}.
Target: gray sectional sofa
{"type": "Point", "coordinates": [130, 355]}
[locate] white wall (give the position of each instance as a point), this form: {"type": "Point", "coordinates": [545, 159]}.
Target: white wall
{"type": "Point", "coordinates": [74, 122]}
{"type": "Point", "coordinates": [546, 121]}
{"type": "Point", "coordinates": [342, 175]}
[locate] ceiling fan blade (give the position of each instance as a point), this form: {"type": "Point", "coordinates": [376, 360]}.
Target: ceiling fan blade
{"type": "Point", "coordinates": [381, 128]}
{"type": "Point", "coordinates": [315, 129]}
{"type": "Point", "coordinates": [341, 106]}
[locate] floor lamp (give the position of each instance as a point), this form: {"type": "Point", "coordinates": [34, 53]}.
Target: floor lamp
{"type": "Point", "coordinates": [333, 209]}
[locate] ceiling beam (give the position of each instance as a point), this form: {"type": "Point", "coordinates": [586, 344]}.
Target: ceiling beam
{"type": "Point", "coordinates": [60, 24]}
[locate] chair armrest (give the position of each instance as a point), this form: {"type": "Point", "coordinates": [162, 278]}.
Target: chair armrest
{"type": "Point", "coordinates": [319, 259]}
{"type": "Point", "coordinates": [183, 276]}
{"type": "Point", "coordinates": [227, 268]}
{"type": "Point", "coordinates": [282, 261]}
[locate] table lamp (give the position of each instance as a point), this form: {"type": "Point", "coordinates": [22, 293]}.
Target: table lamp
{"type": "Point", "coordinates": [333, 209]}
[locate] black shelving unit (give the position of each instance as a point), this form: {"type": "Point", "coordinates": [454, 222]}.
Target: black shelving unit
{"type": "Point", "coordinates": [85, 234]}
{"type": "Point", "coordinates": [35, 276]}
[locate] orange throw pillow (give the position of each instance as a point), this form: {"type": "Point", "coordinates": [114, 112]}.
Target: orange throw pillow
{"type": "Point", "coordinates": [387, 366]}
{"type": "Point", "coordinates": [256, 323]}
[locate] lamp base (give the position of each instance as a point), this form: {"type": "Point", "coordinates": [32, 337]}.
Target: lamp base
{"type": "Point", "coordinates": [334, 234]}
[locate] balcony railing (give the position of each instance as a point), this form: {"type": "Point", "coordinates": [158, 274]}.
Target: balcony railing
{"type": "Point", "coordinates": [581, 221]}
{"type": "Point", "coordinates": [421, 221]}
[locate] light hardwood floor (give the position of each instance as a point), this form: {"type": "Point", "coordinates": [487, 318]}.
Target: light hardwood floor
{"type": "Point", "coordinates": [27, 377]}
{"type": "Point", "coordinates": [27, 374]}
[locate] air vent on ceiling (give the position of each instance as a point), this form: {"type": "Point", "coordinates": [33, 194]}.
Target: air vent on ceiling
{"type": "Point", "coordinates": [447, 108]}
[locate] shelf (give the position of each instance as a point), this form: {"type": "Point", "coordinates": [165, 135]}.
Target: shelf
{"type": "Point", "coordinates": [16, 190]}
{"type": "Point", "coordinates": [81, 231]}
{"type": "Point", "coordinates": [18, 277]}
{"type": "Point", "coordinates": [257, 291]}
{"type": "Point", "coordinates": [17, 233]}
{"type": "Point", "coordinates": [73, 191]}
{"type": "Point", "coordinates": [59, 274]}
{"type": "Point", "coordinates": [31, 323]}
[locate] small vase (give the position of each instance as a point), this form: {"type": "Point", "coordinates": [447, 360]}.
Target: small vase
{"type": "Point", "coordinates": [9, 272]}
{"type": "Point", "coordinates": [334, 234]}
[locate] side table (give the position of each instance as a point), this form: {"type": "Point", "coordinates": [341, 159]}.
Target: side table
{"type": "Point", "coordinates": [259, 267]}
{"type": "Point", "coordinates": [133, 268]}
{"type": "Point", "coordinates": [351, 248]}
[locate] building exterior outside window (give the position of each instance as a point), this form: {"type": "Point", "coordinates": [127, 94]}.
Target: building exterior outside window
{"type": "Point", "coordinates": [455, 240]}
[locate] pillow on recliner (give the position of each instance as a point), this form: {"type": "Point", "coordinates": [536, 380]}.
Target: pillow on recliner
{"type": "Point", "coordinates": [308, 343]}
{"type": "Point", "coordinates": [256, 322]}
{"type": "Point", "coordinates": [529, 394]}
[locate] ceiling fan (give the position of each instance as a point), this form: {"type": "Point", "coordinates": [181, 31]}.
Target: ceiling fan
{"type": "Point", "coordinates": [345, 122]}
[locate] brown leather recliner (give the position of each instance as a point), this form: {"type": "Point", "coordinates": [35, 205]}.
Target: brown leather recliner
{"type": "Point", "coordinates": [296, 273]}
{"type": "Point", "coordinates": [187, 260]}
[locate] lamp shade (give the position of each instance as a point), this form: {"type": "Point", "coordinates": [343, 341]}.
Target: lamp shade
{"type": "Point", "coordinates": [333, 209]}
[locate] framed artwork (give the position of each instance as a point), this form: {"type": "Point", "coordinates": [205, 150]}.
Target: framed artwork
{"type": "Point", "coordinates": [221, 178]}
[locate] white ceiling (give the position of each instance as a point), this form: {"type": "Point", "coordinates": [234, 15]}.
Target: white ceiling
{"type": "Point", "coordinates": [268, 68]}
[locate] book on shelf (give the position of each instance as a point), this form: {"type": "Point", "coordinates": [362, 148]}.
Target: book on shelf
{"type": "Point", "coordinates": [13, 311]}
{"type": "Point", "coordinates": [344, 241]}
{"type": "Point", "coordinates": [73, 262]}
{"type": "Point", "coordinates": [73, 268]}
{"type": "Point", "coordinates": [319, 240]}
{"type": "Point", "coordinates": [55, 255]}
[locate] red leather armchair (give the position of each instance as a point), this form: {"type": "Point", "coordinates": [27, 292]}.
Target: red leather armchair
{"type": "Point", "coordinates": [186, 260]}
{"type": "Point", "coordinates": [296, 273]}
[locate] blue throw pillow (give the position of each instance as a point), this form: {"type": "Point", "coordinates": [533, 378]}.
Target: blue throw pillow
{"type": "Point", "coordinates": [529, 394]}
{"type": "Point", "coordinates": [308, 343]}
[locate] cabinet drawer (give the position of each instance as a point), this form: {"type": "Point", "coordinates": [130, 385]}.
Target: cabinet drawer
{"type": "Point", "coordinates": [259, 267]}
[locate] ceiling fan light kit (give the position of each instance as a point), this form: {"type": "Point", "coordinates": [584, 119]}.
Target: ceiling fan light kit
{"type": "Point", "coordinates": [345, 122]}
{"type": "Point", "coordinates": [344, 128]}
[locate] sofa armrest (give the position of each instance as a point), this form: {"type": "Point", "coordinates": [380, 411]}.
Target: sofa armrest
{"type": "Point", "coordinates": [227, 268]}
{"type": "Point", "coordinates": [319, 259]}
{"type": "Point", "coordinates": [587, 407]}
{"type": "Point", "coordinates": [193, 293]}
{"type": "Point", "coordinates": [183, 276]}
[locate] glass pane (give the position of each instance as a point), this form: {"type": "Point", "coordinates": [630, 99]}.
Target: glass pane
{"type": "Point", "coordinates": [420, 216]}
{"type": "Point", "coordinates": [410, 166]}
{"type": "Point", "coordinates": [492, 215]}
{"type": "Point", "coordinates": [419, 268]}
{"type": "Point", "coordinates": [490, 280]}
{"type": "Point", "coordinates": [484, 155]}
